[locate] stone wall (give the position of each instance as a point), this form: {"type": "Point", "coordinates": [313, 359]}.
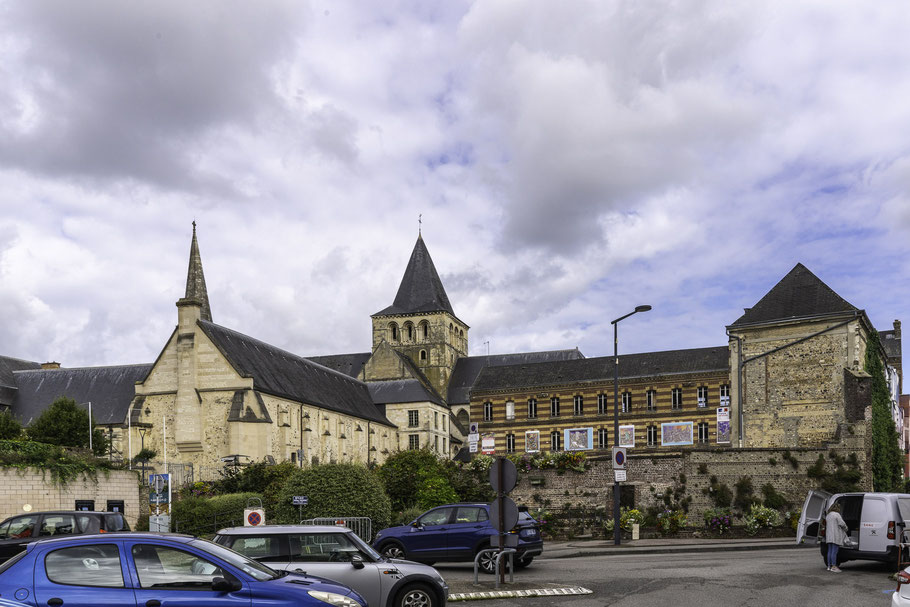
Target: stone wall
{"type": "Point", "coordinates": [31, 488]}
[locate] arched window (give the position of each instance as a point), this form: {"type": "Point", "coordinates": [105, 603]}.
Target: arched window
{"type": "Point", "coordinates": [393, 331]}
{"type": "Point", "coordinates": [408, 331]}
{"type": "Point", "coordinates": [423, 331]}
{"type": "Point", "coordinates": [423, 356]}
{"type": "Point", "coordinates": [451, 332]}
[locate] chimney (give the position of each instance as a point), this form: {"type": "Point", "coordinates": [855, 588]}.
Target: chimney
{"type": "Point", "coordinates": [50, 365]}
{"type": "Point", "coordinates": [897, 329]}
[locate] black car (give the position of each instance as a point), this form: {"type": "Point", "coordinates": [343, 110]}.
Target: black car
{"type": "Point", "coordinates": [18, 531]}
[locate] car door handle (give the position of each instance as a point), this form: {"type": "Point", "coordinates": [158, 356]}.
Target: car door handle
{"type": "Point", "coordinates": [54, 602]}
{"type": "Point", "coordinates": [153, 603]}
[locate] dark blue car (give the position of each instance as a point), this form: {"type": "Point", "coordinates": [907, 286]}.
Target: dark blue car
{"type": "Point", "coordinates": [150, 570]}
{"type": "Point", "coordinates": [457, 532]}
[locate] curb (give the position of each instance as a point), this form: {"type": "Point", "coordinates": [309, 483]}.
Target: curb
{"type": "Point", "coordinates": [518, 594]}
{"type": "Point", "coordinates": [606, 551]}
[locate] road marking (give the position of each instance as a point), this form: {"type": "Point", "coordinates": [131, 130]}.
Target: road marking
{"type": "Point", "coordinates": [514, 594]}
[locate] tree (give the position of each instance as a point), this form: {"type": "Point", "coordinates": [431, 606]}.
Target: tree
{"type": "Point", "coordinates": [65, 423]}
{"type": "Point", "coordinates": [9, 427]}
{"type": "Point", "coordinates": [405, 472]}
{"type": "Point", "coordinates": [886, 455]}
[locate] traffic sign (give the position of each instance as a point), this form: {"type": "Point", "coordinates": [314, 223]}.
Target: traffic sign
{"type": "Point", "coordinates": [509, 514]}
{"type": "Point", "coordinates": [505, 481]}
{"type": "Point", "coordinates": [619, 458]}
{"type": "Point", "coordinates": [300, 500]}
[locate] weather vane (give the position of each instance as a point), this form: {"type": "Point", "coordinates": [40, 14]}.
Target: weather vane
{"type": "Point", "coordinates": [420, 224]}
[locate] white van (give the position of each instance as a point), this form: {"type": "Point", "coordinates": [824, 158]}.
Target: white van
{"type": "Point", "coordinates": [875, 523]}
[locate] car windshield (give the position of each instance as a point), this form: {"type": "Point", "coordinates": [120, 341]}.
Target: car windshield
{"type": "Point", "coordinates": [363, 546]}
{"type": "Point", "coordinates": [248, 566]}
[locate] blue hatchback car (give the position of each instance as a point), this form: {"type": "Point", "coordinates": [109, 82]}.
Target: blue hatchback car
{"type": "Point", "coordinates": [457, 532]}
{"type": "Point", "coordinates": [133, 569]}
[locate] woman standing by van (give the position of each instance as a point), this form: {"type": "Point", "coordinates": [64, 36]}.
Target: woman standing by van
{"type": "Point", "coordinates": [835, 534]}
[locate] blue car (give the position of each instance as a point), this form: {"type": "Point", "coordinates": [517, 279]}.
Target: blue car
{"type": "Point", "coordinates": [144, 569]}
{"type": "Point", "coordinates": [457, 532]}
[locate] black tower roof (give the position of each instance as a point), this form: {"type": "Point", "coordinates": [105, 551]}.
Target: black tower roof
{"type": "Point", "coordinates": [421, 289]}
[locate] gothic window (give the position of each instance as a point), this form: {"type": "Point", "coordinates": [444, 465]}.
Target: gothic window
{"type": "Point", "coordinates": [601, 404]}
{"type": "Point", "coordinates": [703, 396]}
{"type": "Point", "coordinates": [725, 395]}
{"type": "Point", "coordinates": [676, 398]}
{"type": "Point", "coordinates": [451, 333]}
{"type": "Point", "coordinates": [602, 434]}
{"type": "Point", "coordinates": [652, 435]}
{"type": "Point", "coordinates": [488, 411]}
{"type": "Point", "coordinates": [413, 418]}
{"type": "Point", "coordinates": [555, 440]}
{"type": "Point", "coordinates": [423, 331]}
{"type": "Point", "coordinates": [393, 332]}
{"type": "Point", "coordinates": [510, 443]}
{"type": "Point", "coordinates": [652, 400]}
{"type": "Point", "coordinates": [510, 409]}
{"type": "Point", "coordinates": [578, 405]}
{"type": "Point", "coordinates": [532, 408]}
{"type": "Point", "coordinates": [626, 402]}
{"type": "Point", "coordinates": [554, 406]}
{"type": "Point", "coordinates": [408, 331]}
{"type": "Point", "coordinates": [703, 432]}
{"type": "Point", "coordinates": [423, 356]}
{"type": "Point", "coordinates": [413, 441]}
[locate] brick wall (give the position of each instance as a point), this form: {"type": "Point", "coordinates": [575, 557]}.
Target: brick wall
{"type": "Point", "coordinates": [31, 487]}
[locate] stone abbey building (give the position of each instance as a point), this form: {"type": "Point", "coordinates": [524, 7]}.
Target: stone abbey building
{"type": "Point", "coordinates": [789, 376]}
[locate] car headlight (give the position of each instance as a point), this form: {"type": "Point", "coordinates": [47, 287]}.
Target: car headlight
{"type": "Point", "coordinates": [339, 600]}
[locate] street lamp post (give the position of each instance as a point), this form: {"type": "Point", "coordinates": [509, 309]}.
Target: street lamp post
{"type": "Point", "coordinates": [615, 323]}
{"type": "Point", "coordinates": [90, 428]}
{"type": "Point", "coordinates": [142, 431]}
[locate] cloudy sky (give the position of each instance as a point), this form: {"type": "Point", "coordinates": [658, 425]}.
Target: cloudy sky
{"type": "Point", "coordinates": [570, 160]}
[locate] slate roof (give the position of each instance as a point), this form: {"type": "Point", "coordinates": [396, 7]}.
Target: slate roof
{"type": "Point", "coordinates": [402, 391]}
{"type": "Point", "coordinates": [468, 368]}
{"type": "Point", "coordinates": [349, 364]}
{"type": "Point", "coordinates": [891, 343]}
{"type": "Point", "coordinates": [648, 364]}
{"type": "Point", "coordinates": [280, 373]}
{"type": "Point", "coordinates": [109, 389]}
{"type": "Point", "coordinates": [8, 365]}
{"type": "Point", "coordinates": [421, 289]}
{"type": "Point", "coordinates": [195, 280]}
{"type": "Point", "coordinates": [799, 294]}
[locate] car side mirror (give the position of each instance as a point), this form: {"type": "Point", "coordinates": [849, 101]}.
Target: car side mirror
{"type": "Point", "coordinates": [220, 584]}
{"type": "Point", "coordinates": [416, 525]}
{"type": "Point", "coordinates": [357, 561]}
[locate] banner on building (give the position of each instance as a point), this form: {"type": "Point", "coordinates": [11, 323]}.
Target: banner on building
{"type": "Point", "coordinates": [676, 433]}
{"type": "Point", "coordinates": [532, 441]}
{"type": "Point", "coordinates": [578, 439]}
{"type": "Point", "coordinates": [723, 425]}
{"type": "Point", "coordinates": [627, 436]}
{"type": "Point", "coordinates": [488, 443]}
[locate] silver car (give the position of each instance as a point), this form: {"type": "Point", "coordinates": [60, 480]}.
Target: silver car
{"type": "Point", "coordinates": [338, 554]}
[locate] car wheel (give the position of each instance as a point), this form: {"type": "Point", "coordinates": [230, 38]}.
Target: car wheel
{"type": "Point", "coordinates": [487, 562]}
{"type": "Point", "coordinates": [523, 562]}
{"type": "Point", "coordinates": [415, 595]}
{"type": "Point", "coordinates": [392, 550]}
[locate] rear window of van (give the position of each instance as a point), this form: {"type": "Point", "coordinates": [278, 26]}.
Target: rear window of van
{"type": "Point", "coordinates": [903, 504]}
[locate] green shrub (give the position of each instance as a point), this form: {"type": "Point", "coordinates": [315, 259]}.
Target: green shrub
{"type": "Point", "coordinates": [744, 498]}
{"type": "Point", "coordinates": [405, 471]}
{"type": "Point", "coordinates": [335, 490]}
{"type": "Point", "coordinates": [205, 516]}
{"type": "Point", "coordinates": [404, 517]}
{"type": "Point", "coordinates": [773, 499]}
{"type": "Point", "coordinates": [10, 428]}
{"type": "Point", "coordinates": [66, 423]}
{"type": "Point", "coordinates": [669, 522]}
{"type": "Point", "coordinates": [720, 493]}
{"type": "Point", "coordinates": [262, 478]}
{"type": "Point", "coordinates": [760, 517]}
{"type": "Point", "coordinates": [718, 520]}
{"type": "Point", "coordinates": [627, 517]}
{"type": "Point", "coordinates": [435, 491]}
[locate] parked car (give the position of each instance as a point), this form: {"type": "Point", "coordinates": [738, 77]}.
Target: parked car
{"type": "Point", "coordinates": [901, 596]}
{"type": "Point", "coordinates": [875, 524]}
{"type": "Point", "coordinates": [156, 569]}
{"type": "Point", "coordinates": [18, 531]}
{"type": "Point", "coordinates": [337, 553]}
{"type": "Point", "coordinates": [457, 532]}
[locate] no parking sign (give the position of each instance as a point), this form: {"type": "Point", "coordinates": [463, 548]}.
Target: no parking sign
{"type": "Point", "coordinates": [253, 517]}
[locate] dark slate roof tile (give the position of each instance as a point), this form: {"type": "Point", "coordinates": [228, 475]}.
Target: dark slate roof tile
{"type": "Point", "coordinates": [109, 389]}
{"type": "Point", "coordinates": [280, 373]}
{"type": "Point", "coordinates": [648, 364]}
{"type": "Point", "coordinates": [401, 391]}
{"type": "Point", "coordinates": [349, 364]}
{"type": "Point", "coordinates": [9, 364]}
{"type": "Point", "coordinates": [468, 368]}
{"type": "Point", "coordinates": [421, 289]}
{"type": "Point", "coordinates": [799, 294]}
{"type": "Point", "coordinates": [891, 343]}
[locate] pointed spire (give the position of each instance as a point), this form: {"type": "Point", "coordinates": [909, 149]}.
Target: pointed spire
{"type": "Point", "coordinates": [195, 280]}
{"type": "Point", "coordinates": [421, 289]}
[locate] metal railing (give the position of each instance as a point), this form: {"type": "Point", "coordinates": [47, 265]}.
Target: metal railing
{"type": "Point", "coordinates": [362, 526]}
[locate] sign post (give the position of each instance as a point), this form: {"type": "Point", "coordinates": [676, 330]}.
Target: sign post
{"type": "Point", "coordinates": [503, 511]}
{"type": "Point", "coordinates": [300, 501]}
{"type": "Point", "coordinates": [160, 503]}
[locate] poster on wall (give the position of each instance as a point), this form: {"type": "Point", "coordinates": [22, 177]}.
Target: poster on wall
{"type": "Point", "coordinates": [578, 439]}
{"type": "Point", "coordinates": [676, 433]}
{"type": "Point", "coordinates": [488, 443]}
{"type": "Point", "coordinates": [532, 441]}
{"type": "Point", "coordinates": [627, 436]}
{"type": "Point", "coordinates": [723, 425]}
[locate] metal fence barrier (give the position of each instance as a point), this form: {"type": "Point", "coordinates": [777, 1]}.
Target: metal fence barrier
{"type": "Point", "coordinates": [362, 526]}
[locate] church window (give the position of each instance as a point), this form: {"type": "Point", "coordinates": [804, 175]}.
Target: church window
{"type": "Point", "coordinates": [436, 419]}
{"type": "Point", "coordinates": [652, 400]}
{"type": "Point", "coordinates": [626, 402]}
{"type": "Point", "coordinates": [510, 443]}
{"type": "Point", "coordinates": [423, 331]}
{"type": "Point", "coordinates": [555, 440]}
{"type": "Point", "coordinates": [444, 446]}
{"type": "Point", "coordinates": [532, 408]}
{"type": "Point", "coordinates": [451, 332]}
{"type": "Point", "coordinates": [725, 395]}
{"type": "Point", "coordinates": [676, 398]}
{"type": "Point", "coordinates": [510, 409]}
{"type": "Point", "coordinates": [436, 443]}
{"type": "Point", "coordinates": [578, 405]}
{"type": "Point", "coordinates": [393, 331]}
{"type": "Point", "coordinates": [602, 434]}
{"type": "Point", "coordinates": [703, 432]}
{"type": "Point", "coordinates": [488, 411]}
{"type": "Point", "coordinates": [652, 435]}
{"type": "Point", "coordinates": [408, 331]}
{"type": "Point", "coordinates": [703, 396]}
{"type": "Point", "coordinates": [423, 356]}
{"type": "Point", "coordinates": [413, 441]}
{"type": "Point", "coordinates": [601, 404]}
{"type": "Point", "coordinates": [293, 457]}
{"type": "Point", "coordinates": [554, 406]}
{"type": "Point", "coordinates": [413, 418]}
